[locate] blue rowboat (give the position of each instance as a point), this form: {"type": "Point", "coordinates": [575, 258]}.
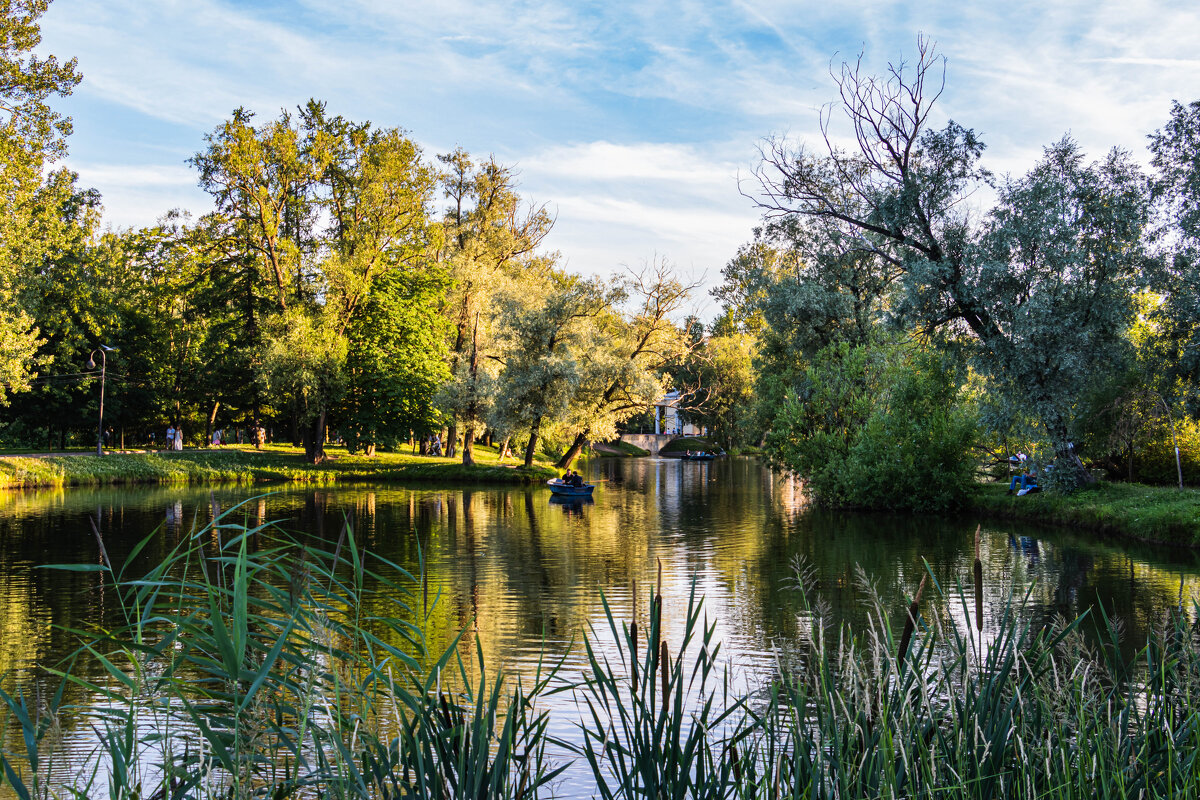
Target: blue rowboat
{"type": "Point", "coordinates": [567, 490]}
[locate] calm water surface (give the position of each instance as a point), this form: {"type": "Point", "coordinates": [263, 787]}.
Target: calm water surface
{"type": "Point", "coordinates": [526, 572]}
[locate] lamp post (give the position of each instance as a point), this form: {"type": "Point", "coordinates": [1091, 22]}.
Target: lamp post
{"type": "Point", "coordinates": [103, 350]}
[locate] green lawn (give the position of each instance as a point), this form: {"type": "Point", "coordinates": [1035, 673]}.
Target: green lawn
{"type": "Point", "coordinates": [1147, 513]}
{"type": "Point", "coordinates": [275, 463]}
{"type": "Point", "coordinates": [619, 448]}
{"type": "Point", "coordinates": [684, 443]}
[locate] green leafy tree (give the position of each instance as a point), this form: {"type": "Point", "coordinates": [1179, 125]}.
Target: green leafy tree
{"type": "Point", "coordinates": [1038, 291]}
{"type": "Point", "coordinates": [1176, 158]}
{"type": "Point", "coordinates": [382, 291]}
{"type": "Point", "coordinates": [542, 363]}
{"type": "Point", "coordinates": [721, 375]}
{"type": "Point", "coordinates": [490, 242]}
{"type": "Point", "coordinates": [396, 361]}
{"type": "Point", "coordinates": [878, 425]}
{"type": "Point", "coordinates": [32, 225]}
{"type": "Point", "coordinates": [628, 356]}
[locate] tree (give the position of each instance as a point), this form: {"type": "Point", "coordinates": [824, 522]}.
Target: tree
{"type": "Point", "coordinates": [877, 425]}
{"type": "Point", "coordinates": [490, 241]}
{"type": "Point", "coordinates": [1176, 157]}
{"type": "Point", "coordinates": [1035, 293]}
{"type": "Point", "coordinates": [542, 363]}
{"type": "Point", "coordinates": [32, 138]}
{"type": "Point", "coordinates": [396, 360]}
{"type": "Point", "coordinates": [721, 370]}
{"type": "Point", "coordinates": [380, 286]}
{"type": "Point", "coordinates": [627, 359]}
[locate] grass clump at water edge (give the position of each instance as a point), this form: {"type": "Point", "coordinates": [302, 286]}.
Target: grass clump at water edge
{"type": "Point", "coordinates": [252, 665]}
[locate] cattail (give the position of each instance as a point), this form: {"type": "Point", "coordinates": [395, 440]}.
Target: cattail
{"type": "Point", "coordinates": [664, 663]}
{"type": "Point", "coordinates": [910, 623]}
{"type": "Point", "coordinates": [978, 583]}
{"type": "Point", "coordinates": [633, 656]}
{"type": "Point", "coordinates": [735, 762]}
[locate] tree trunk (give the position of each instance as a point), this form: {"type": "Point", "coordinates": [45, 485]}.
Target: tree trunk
{"type": "Point", "coordinates": [212, 420]}
{"type": "Point", "coordinates": [314, 436]}
{"type": "Point", "coordinates": [573, 451]}
{"type": "Point", "coordinates": [468, 454]}
{"type": "Point", "coordinates": [504, 449]}
{"type": "Point", "coordinates": [452, 439]}
{"type": "Point", "coordinates": [370, 450]}
{"type": "Point", "coordinates": [1064, 452]}
{"type": "Point", "coordinates": [297, 434]}
{"type": "Point", "coordinates": [531, 448]}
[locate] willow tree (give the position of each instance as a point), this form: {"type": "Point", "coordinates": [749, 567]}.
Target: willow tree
{"type": "Point", "coordinates": [628, 354]}
{"type": "Point", "coordinates": [490, 242]}
{"type": "Point", "coordinates": [1176, 158]}
{"type": "Point", "coordinates": [1038, 288]}
{"type": "Point", "coordinates": [545, 352]}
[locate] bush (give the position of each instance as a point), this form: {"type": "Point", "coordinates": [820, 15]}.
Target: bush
{"type": "Point", "coordinates": [878, 426]}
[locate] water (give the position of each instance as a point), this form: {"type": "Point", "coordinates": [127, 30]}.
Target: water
{"type": "Point", "coordinates": [527, 574]}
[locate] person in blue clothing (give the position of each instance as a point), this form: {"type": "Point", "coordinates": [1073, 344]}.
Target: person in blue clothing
{"type": "Point", "coordinates": [1026, 480]}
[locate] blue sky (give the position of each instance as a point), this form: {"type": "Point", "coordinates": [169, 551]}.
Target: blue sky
{"type": "Point", "coordinates": [631, 121]}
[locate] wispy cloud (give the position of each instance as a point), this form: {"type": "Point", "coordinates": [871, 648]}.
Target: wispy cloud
{"type": "Point", "coordinates": [630, 118]}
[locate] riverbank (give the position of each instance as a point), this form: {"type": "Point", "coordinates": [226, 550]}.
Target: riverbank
{"type": "Point", "coordinates": [273, 464]}
{"type": "Point", "coordinates": [1157, 514]}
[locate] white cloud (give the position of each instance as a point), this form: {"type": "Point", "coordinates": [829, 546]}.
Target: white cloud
{"type": "Point", "coordinates": [631, 119]}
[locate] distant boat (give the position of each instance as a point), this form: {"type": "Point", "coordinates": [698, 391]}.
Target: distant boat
{"type": "Point", "coordinates": [698, 456]}
{"type": "Point", "coordinates": [558, 486]}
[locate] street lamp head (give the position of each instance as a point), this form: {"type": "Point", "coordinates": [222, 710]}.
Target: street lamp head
{"type": "Point", "coordinates": [91, 363]}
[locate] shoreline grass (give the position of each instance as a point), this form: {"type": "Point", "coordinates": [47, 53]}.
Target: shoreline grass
{"type": "Point", "coordinates": [619, 448]}
{"type": "Point", "coordinates": [1153, 514]}
{"type": "Point", "coordinates": [274, 464]}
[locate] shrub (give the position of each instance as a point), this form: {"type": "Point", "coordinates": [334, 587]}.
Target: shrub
{"type": "Point", "coordinates": [878, 426]}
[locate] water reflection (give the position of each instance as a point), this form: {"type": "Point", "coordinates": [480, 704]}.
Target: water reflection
{"type": "Point", "coordinates": [527, 571]}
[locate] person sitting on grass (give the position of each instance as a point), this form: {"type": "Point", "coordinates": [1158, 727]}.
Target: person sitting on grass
{"type": "Point", "coordinates": [1027, 480]}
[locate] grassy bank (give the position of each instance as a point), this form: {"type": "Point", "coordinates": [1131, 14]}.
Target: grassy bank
{"type": "Point", "coordinates": [274, 464]}
{"type": "Point", "coordinates": [618, 448]}
{"type": "Point", "coordinates": [677, 447]}
{"type": "Point", "coordinates": [1147, 513]}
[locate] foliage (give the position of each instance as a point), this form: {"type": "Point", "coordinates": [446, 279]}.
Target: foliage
{"type": "Point", "coordinates": [250, 664]}
{"type": "Point", "coordinates": [545, 349]}
{"type": "Point", "coordinates": [249, 659]}
{"type": "Point", "coordinates": [628, 355]}
{"type": "Point", "coordinates": [1040, 290]}
{"type": "Point", "coordinates": [719, 370]}
{"type": "Point", "coordinates": [878, 426]}
{"type": "Point", "coordinates": [33, 225]}
{"type": "Point", "coordinates": [396, 361]}
{"type": "Point", "coordinates": [1176, 156]}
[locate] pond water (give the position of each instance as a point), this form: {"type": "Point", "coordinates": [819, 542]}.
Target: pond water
{"type": "Point", "coordinates": [528, 573]}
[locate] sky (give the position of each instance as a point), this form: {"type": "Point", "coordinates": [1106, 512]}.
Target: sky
{"type": "Point", "coordinates": [636, 124]}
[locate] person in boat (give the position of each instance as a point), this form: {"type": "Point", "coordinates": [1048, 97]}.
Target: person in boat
{"type": "Point", "coordinates": [566, 478]}
{"type": "Point", "coordinates": [576, 480]}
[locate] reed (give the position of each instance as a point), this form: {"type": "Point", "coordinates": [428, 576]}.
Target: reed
{"type": "Point", "coordinates": [251, 664]}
